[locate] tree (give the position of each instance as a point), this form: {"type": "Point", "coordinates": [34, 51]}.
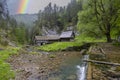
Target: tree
{"type": "Point", "coordinates": [3, 14]}
{"type": "Point", "coordinates": [20, 34]}
{"type": "Point", "coordinates": [56, 19]}
{"type": "Point", "coordinates": [102, 15]}
{"type": "Point", "coordinates": [3, 9]}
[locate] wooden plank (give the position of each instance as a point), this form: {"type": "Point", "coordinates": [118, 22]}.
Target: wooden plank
{"type": "Point", "coordinates": [102, 62]}
{"type": "Point", "coordinates": [89, 72]}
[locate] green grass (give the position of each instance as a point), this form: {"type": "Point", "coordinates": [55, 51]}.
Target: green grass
{"type": "Point", "coordinates": [5, 70]}
{"type": "Point", "coordinates": [87, 39]}
{"type": "Point", "coordinates": [58, 46]}
{"type": "Point", "coordinates": [79, 41]}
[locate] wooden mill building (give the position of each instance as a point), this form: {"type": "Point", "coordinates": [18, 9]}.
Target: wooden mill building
{"type": "Point", "coordinates": [67, 36]}
{"type": "Point", "coordinates": [64, 36]}
{"type": "Point", "coordinates": [41, 40]}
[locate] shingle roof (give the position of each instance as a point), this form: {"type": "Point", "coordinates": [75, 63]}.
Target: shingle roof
{"type": "Point", "coordinates": [50, 37]}
{"type": "Point", "coordinates": [66, 34]}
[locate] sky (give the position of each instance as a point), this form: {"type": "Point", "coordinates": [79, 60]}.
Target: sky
{"type": "Point", "coordinates": [33, 6]}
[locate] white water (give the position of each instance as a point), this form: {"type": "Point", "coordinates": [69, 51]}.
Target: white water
{"type": "Point", "coordinates": [81, 72]}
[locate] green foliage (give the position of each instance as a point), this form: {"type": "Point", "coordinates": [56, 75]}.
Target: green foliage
{"type": "Point", "coordinates": [115, 32]}
{"type": "Point", "coordinates": [99, 18]}
{"type": "Point", "coordinates": [5, 70]}
{"type": "Point", "coordinates": [87, 24]}
{"type": "Point", "coordinates": [20, 34]}
{"type": "Point", "coordinates": [88, 39]}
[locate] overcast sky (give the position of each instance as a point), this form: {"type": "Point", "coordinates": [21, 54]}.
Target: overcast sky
{"type": "Point", "coordinates": [34, 5]}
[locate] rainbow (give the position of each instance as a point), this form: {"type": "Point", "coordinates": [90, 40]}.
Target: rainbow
{"type": "Point", "coordinates": [23, 6]}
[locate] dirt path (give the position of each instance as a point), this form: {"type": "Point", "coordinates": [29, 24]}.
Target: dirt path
{"type": "Point", "coordinates": [37, 66]}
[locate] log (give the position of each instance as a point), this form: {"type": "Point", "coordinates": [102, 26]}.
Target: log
{"type": "Point", "coordinates": [83, 51]}
{"type": "Point", "coordinates": [102, 62]}
{"type": "Point", "coordinates": [89, 50]}
{"type": "Point", "coordinates": [102, 51]}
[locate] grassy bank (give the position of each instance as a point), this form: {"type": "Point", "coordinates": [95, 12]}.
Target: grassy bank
{"type": "Point", "coordinates": [5, 70]}
{"type": "Point", "coordinates": [79, 41]}
{"type": "Point", "coordinates": [59, 46]}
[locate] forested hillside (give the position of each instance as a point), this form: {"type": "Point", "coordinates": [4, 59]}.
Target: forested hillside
{"type": "Point", "coordinates": [56, 19]}
{"type": "Point", "coordinates": [10, 31]}
{"type": "Point", "coordinates": [27, 19]}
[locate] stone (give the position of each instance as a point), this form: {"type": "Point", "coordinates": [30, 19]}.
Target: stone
{"type": "Point", "coordinates": [71, 77]}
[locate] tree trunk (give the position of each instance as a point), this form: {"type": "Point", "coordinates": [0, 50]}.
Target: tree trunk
{"type": "Point", "coordinates": [108, 36]}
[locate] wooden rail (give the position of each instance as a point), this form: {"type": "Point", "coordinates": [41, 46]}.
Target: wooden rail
{"type": "Point", "coordinates": [102, 62]}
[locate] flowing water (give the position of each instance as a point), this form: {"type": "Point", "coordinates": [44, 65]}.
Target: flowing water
{"type": "Point", "coordinates": [73, 68]}
{"type": "Point", "coordinates": [82, 69]}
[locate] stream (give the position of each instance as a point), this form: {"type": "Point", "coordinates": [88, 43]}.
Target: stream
{"type": "Point", "coordinates": [66, 65]}
{"type": "Point", "coordinates": [82, 69]}
{"type": "Point", "coordinates": [73, 68]}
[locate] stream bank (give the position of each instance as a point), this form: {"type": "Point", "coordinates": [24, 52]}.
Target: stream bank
{"type": "Point", "coordinates": [39, 65]}
{"type": "Point", "coordinates": [45, 66]}
{"type": "Point", "coordinates": [104, 52]}
{"type": "Point", "coordinates": [53, 65]}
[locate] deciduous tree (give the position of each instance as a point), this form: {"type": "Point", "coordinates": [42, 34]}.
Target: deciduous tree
{"type": "Point", "coordinates": [102, 15]}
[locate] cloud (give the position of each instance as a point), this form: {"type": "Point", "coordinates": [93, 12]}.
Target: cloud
{"type": "Point", "coordinates": [34, 5]}
{"type": "Point", "coordinates": [13, 5]}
